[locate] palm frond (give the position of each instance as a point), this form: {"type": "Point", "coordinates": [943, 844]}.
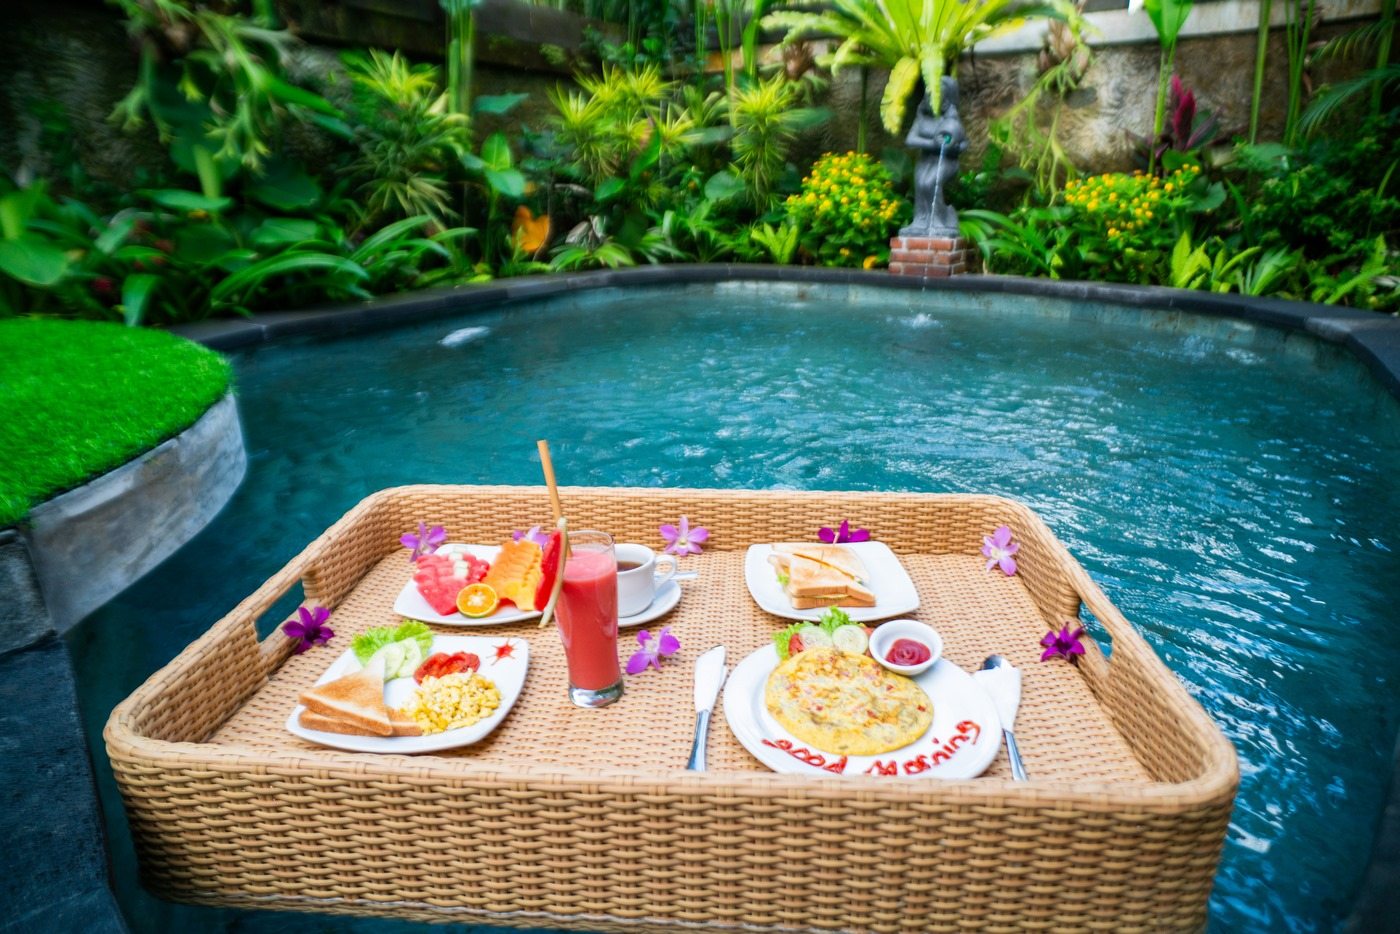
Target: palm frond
{"type": "Point", "coordinates": [1333, 97]}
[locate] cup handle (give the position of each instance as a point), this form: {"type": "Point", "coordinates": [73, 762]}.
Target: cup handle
{"type": "Point", "coordinates": [659, 579]}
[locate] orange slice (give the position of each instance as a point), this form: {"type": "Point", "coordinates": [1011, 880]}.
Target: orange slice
{"type": "Point", "coordinates": [477, 600]}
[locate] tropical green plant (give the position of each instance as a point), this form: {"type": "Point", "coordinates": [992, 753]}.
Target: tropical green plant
{"type": "Point", "coordinates": [1302, 16]}
{"type": "Point", "coordinates": [1374, 282]}
{"type": "Point", "coordinates": [410, 142]}
{"type": "Point", "coordinates": [780, 242]}
{"type": "Point", "coordinates": [213, 75]}
{"type": "Point", "coordinates": [1018, 130]}
{"type": "Point", "coordinates": [847, 210]}
{"type": "Point", "coordinates": [913, 38]}
{"type": "Point", "coordinates": [1168, 17]}
{"type": "Point", "coordinates": [766, 122]}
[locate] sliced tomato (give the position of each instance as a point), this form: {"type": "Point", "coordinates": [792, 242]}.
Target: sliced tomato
{"type": "Point", "coordinates": [795, 646]}
{"type": "Point", "coordinates": [549, 570]}
{"type": "Point", "coordinates": [463, 661]}
{"type": "Point", "coordinates": [440, 663]}
{"type": "Point", "coordinates": [431, 667]}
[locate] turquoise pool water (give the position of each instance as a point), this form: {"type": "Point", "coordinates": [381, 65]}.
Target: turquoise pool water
{"type": "Point", "coordinates": [1231, 488]}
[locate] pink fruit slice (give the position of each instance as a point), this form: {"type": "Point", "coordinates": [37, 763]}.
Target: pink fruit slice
{"type": "Point", "coordinates": [438, 585]}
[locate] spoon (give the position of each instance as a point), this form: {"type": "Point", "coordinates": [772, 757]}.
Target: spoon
{"type": "Point", "coordinates": [1018, 768]}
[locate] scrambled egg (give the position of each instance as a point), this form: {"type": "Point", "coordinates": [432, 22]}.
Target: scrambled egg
{"type": "Point", "coordinates": [452, 701]}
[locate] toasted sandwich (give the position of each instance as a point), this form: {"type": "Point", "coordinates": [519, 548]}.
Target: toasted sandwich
{"type": "Point", "coordinates": [402, 725]}
{"type": "Point", "coordinates": [821, 575]}
{"type": "Point", "coordinates": [355, 700]}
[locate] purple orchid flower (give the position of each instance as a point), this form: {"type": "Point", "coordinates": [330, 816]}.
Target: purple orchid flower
{"type": "Point", "coordinates": [998, 549]}
{"type": "Point", "coordinates": [652, 650]}
{"type": "Point", "coordinates": [310, 630]}
{"type": "Point", "coordinates": [424, 543]}
{"type": "Point", "coordinates": [684, 540]}
{"type": "Point", "coordinates": [1064, 643]}
{"type": "Point", "coordinates": [535, 535]}
{"type": "Point", "coordinates": [843, 534]}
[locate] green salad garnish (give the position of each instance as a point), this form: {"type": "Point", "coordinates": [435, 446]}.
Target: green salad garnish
{"type": "Point", "coordinates": [372, 640]}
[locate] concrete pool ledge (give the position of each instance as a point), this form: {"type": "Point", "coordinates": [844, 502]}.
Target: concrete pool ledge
{"type": "Point", "coordinates": [1374, 338]}
{"type": "Point", "coordinates": [135, 516]}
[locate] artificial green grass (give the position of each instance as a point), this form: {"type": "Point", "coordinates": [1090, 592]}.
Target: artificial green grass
{"type": "Point", "coordinates": [78, 398]}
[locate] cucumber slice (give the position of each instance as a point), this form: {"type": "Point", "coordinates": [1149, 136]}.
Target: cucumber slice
{"type": "Point", "coordinates": [850, 639]}
{"type": "Point", "coordinates": [813, 636]}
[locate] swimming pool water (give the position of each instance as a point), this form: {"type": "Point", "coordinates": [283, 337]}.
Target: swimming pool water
{"type": "Point", "coordinates": [1230, 487]}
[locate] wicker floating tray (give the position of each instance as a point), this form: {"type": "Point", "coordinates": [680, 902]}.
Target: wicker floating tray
{"type": "Point", "coordinates": [586, 819]}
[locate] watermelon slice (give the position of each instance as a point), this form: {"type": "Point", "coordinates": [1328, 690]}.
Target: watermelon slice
{"type": "Point", "coordinates": [549, 570]}
{"type": "Point", "coordinates": [439, 583]}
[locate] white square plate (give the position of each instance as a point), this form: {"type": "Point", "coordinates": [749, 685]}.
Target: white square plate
{"type": "Point", "coordinates": [894, 591]}
{"type": "Point", "coordinates": [508, 673]}
{"type": "Point", "coordinates": [410, 602]}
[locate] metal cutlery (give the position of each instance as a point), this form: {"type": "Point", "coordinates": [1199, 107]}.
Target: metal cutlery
{"type": "Point", "coordinates": [709, 676]}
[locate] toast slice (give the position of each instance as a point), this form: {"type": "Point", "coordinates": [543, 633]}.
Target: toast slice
{"type": "Point", "coordinates": [402, 724]}
{"type": "Point", "coordinates": [356, 699]}
{"type": "Point", "coordinates": [837, 557]}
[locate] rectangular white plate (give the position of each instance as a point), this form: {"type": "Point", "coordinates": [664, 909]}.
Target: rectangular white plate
{"type": "Point", "coordinates": [410, 602]}
{"type": "Point", "coordinates": [894, 591]}
{"type": "Point", "coordinates": [508, 673]}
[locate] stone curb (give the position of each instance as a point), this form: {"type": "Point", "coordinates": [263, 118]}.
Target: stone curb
{"type": "Point", "coordinates": [135, 516]}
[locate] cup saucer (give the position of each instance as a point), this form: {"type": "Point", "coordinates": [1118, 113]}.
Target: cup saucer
{"type": "Point", "coordinates": [667, 596]}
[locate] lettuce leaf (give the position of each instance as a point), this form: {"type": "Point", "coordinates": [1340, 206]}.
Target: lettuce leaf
{"type": "Point", "coordinates": [418, 632]}
{"type": "Point", "coordinates": [372, 640]}
{"type": "Point", "coordinates": [781, 639]}
{"type": "Point", "coordinates": [833, 618]}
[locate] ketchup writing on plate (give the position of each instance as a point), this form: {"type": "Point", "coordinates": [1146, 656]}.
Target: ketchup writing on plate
{"type": "Point", "coordinates": [908, 652]}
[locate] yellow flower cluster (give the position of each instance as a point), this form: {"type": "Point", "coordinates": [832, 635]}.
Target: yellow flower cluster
{"type": "Point", "coordinates": [848, 203]}
{"type": "Point", "coordinates": [851, 188]}
{"type": "Point", "coordinates": [1124, 204]}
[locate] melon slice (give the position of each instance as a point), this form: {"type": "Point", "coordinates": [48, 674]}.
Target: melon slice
{"type": "Point", "coordinates": [437, 580]}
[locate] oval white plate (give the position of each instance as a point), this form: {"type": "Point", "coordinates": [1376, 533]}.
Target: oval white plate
{"type": "Point", "coordinates": [960, 743]}
{"type": "Point", "coordinates": [895, 594]}
{"type": "Point", "coordinates": [410, 602]}
{"type": "Point", "coordinates": [507, 672]}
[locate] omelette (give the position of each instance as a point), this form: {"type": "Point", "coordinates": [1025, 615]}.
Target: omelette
{"type": "Point", "coordinates": [846, 704]}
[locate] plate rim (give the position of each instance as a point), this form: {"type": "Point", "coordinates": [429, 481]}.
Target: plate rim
{"type": "Point", "coordinates": [861, 614]}
{"type": "Point", "coordinates": [434, 743]}
{"type": "Point", "coordinates": [750, 736]}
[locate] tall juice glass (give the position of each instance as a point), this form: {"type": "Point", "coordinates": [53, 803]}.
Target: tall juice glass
{"type": "Point", "coordinates": [587, 613]}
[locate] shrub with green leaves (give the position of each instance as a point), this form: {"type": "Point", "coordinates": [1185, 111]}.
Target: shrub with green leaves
{"type": "Point", "coordinates": [848, 211]}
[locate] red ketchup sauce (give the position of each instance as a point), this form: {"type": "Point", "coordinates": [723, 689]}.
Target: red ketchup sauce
{"type": "Point", "coordinates": [908, 652]}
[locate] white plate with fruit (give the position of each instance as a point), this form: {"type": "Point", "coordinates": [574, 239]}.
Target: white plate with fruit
{"type": "Point", "coordinates": [439, 580]}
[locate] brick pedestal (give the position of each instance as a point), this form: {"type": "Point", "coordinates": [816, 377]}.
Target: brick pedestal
{"type": "Point", "coordinates": [928, 257]}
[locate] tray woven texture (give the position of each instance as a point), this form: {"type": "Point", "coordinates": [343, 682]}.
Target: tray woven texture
{"type": "Point", "coordinates": [587, 820]}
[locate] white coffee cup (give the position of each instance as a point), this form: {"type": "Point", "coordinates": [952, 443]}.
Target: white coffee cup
{"type": "Point", "coordinates": [636, 587]}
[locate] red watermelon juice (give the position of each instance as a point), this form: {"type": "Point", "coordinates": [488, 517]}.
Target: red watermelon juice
{"type": "Point", "coordinates": [587, 613]}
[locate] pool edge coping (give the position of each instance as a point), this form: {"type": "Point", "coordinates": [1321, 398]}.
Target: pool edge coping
{"type": "Point", "coordinates": [1372, 337]}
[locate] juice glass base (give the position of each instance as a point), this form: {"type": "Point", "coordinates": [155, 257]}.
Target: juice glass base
{"type": "Point", "coordinates": [583, 697]}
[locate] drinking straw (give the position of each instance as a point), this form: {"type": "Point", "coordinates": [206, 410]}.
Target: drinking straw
{"type": "Point", "coordinates": [548, 466]}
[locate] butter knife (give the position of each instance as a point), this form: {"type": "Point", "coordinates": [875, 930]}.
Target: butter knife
{"type": "Point", "coordinates": [709, 676]}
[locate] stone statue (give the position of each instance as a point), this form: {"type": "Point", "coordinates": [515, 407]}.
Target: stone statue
{"type": "Point", "coordinates": [942, 139]}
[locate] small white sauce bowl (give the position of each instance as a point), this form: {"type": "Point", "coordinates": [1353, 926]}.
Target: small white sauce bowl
{"type": "Point", "coordinates": [887, 634]}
